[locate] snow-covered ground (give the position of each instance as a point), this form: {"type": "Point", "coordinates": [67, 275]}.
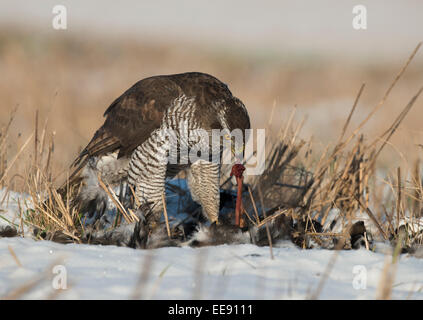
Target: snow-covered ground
{"type": "Point", "coordinates": [28, 269]}
{"type": "Point", "coordinates": [222, 272]}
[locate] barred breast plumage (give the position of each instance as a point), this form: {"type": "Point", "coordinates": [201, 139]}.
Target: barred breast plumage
{"type": "Point", "coordinates": [136, 134]}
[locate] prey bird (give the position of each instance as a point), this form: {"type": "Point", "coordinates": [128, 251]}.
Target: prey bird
{"type": "Point", "coordinates": [130, 146]}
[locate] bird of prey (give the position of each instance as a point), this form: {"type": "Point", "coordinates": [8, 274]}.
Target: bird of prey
{"type": "Point", "coordinates": [130, 146]}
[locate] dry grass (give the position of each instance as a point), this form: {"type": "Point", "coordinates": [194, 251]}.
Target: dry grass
{"type": "Point", "coordinates": [297, 176]}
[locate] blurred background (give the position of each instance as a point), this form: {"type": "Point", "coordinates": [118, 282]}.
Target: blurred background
{"type": "Point", "coordinates": [276, 55]}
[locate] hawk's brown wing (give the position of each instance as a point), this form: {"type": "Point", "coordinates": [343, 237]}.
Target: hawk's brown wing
{"type": "Point", "coordinates": [130, 120]}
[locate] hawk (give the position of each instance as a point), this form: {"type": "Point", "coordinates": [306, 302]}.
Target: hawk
{"type": "Point", "coordinates": [130, 146]}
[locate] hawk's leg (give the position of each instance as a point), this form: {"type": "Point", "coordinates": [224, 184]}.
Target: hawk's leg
{"type": "Point", "coordinates": [204, 184]}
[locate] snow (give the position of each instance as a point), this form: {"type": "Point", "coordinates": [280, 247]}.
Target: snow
{"type": "Point", "coordinates": [222, 272]}
{"type": "Point", "coordinates": [9, 209]}
{"type": "Point", "coordinates": [219, 272]}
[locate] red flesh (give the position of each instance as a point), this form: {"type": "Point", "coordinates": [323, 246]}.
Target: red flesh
{"type": "Point", "coordinates": [237, 170]}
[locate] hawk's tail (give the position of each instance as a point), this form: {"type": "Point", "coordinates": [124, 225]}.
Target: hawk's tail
{"type": "Point", "coordinates": [101, 144]}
